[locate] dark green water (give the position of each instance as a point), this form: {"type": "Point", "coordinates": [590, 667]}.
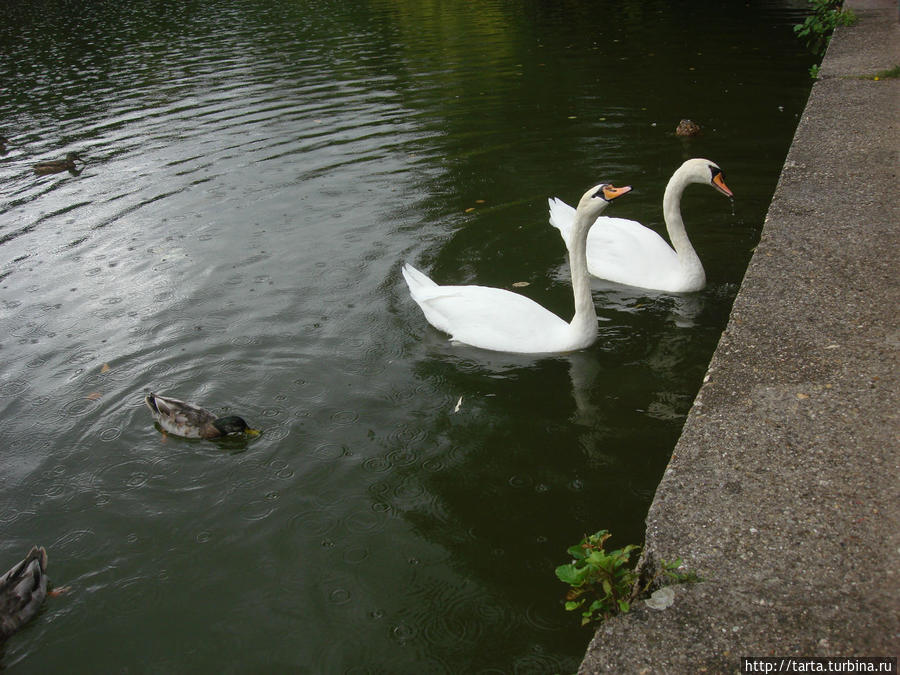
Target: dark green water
{"type": "Point", "coordinates": [257, 171]}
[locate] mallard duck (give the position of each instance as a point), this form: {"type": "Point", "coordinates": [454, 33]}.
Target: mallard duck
{"type": "Point", "coordinates": [687, 128]}
{"type": "Point", "coordinates": [58, 165]}
{"type": "Point", "coordinates": [191, 421]}
{"type": "Point", "coordinates": [22, 590]}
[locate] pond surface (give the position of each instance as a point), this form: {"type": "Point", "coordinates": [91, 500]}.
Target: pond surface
{"type": "Point", "coordinates": [256, 174]}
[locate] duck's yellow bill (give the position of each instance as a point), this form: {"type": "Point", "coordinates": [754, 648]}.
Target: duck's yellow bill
{"type": "Point", "coordinates": [252, 432]}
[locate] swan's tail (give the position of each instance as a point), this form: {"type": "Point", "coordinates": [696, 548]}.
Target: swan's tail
{"type": "Point", "coordinates": [415, 279]}
{"type": "Point", "coordinates": [561, 217]}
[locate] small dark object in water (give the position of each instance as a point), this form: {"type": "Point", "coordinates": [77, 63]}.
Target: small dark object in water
{"type": "Point", "coordinates": [22, 590]}
{"type": "Point", "coordinates": [58, 165]}
{"type": "Point", "coordinates": [687, 128]}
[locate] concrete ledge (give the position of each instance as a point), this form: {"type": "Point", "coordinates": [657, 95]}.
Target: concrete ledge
{"type": "Point", "coordinates": [783, 492]}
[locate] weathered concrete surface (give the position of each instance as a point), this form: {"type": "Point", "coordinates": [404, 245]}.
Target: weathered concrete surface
{"type": "Point", "coordinates": [783, 492]}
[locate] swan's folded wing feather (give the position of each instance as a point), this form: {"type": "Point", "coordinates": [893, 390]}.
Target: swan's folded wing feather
{"type": "Point", "coordinates": [492, 318]}
{"type": "Point", "coordinates": [625, 251]}
{"type": "Point", "coordinates": [562, 216]}
{"type": "Point", "coordinates": [415, 278]}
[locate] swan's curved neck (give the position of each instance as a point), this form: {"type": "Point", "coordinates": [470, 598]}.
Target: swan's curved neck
{"type": "Point", "coordinates": [585, 319]}
{"type": "Point", "coordinates": [687, 256]}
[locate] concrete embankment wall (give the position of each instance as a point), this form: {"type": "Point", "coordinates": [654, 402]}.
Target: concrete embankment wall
{"type": "Point", "coordinates": [783, 492]}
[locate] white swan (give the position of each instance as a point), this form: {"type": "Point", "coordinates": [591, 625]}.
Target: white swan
{"type": "Point", "coordinates": [626, 252]}
{"type": "Point", "coordinates": [503, 321]}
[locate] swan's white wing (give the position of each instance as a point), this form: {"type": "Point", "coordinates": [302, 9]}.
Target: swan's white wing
{"type": "Point", "coordinates": [626, 252]}
{"type": "Point", "coordinates": [621, 250]}
{"type": "Point", "coordinates": [490, 318]}
{"type": "Point", "coordinates": [416, 279]}
{"type": "Point", "coordinates": [562, 217]}
{"type": "Point", "coordinates": [494, 318]}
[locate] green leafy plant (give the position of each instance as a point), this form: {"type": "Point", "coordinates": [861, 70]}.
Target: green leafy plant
{"type": "Point", "coordinates": [606, 583]}
{"type": "Point", "coordinates": [601, 582]}
{"type": "Point", "coordinates": [826, 15]}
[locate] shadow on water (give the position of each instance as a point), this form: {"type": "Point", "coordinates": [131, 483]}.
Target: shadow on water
{"type": "Point", "coordinates": [256, 173]}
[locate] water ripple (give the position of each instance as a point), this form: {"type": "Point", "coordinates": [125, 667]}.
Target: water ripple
{"type": "Point", "coordinates": [254, 174]}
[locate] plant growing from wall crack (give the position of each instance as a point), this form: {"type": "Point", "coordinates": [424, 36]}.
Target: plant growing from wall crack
{"type": "Point", "coordinates": [817, 28]}
{"type": "Point", "coordinates": [604, 583]}
{"type": "Point", "coordinates": [601, 582]}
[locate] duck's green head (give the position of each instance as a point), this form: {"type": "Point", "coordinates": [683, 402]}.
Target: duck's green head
{"type": "Point", "coordinates": [232, 425]}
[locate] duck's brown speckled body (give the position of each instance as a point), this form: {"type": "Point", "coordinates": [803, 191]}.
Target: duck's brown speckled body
{"type": "Point", "coordinates": [22, 590]}
{"type": "Point", "coordinates": [687, 128]}
{"type": "Point", "coordinates": [59, 165]}
{"type": "Point", "coordinates": [191, 421]}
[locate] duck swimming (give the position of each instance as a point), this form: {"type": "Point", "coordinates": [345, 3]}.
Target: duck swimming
{"type": "Point", "coordinates": [687, 128]}
{"type": "Point", "coordinates": [191, 421]}
{"type": "Point", "coordinates": [22, 591]}
{"type": "Point", "coordinates": [59, 165]}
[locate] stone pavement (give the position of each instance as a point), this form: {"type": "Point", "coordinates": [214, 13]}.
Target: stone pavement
{"type": "Point", "coordinates": [783, 492]}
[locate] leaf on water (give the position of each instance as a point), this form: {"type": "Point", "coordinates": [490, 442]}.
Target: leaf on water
{"type": "Point", "coordinates": [521, 284]}
{"type": "Point", "coordinates": [94, 396]}
{"type": "Point", "coordinates": [470, 209]}
{"type": "Point", "coordinates": [479, 201]}
{"type": "Point", "coordinates": [104, 368]}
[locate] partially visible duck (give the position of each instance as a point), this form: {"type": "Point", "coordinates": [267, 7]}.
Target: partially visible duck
{"type": "Point", "coordinates": [687, 128]}
{"type": "Point", "coordinates": [22, 590]}
{"type": "Point", "coordinates": [58, 165]}
{"type": "Point", "coordinates": [192, 421]}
